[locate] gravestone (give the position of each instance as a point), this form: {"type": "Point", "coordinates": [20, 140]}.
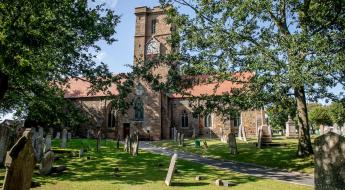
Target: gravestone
{"type": "Point", "coordinates": [244, 136]}
{"type": "Point", "coordinates": [182, 140]}
{"type": "Point", "coordinates": [47, 143]}
{"type": "Point", "coordinates": [88, 133]}
{"type": "Point", "coordinates": [205, 144]}
{"type": "Point", "coordinates": [178, 138]}
{"type": "Point", "coordinates": [69, 136]}
{"type": "Point", "coordinates": [57, 135]}
{"type": "Point", "coordinates": [266, 136]}
{"type": "Point", "coordinates": [5, 133]}
{"type": "Point", "coordinates": [259, 138]}
{"type": "Point", "coordinates": [290, 129]}
{"type": "Point", "coordinates": [20, 163]}
{"type": "Point", "coordinates": [64, 138]}
{"type": "Point", "coordinates": [232, 143]}
{"type": "Point", "coordinates": [47, 163]}
{"type": "Point", "coordinates": [171, 170]}
{"type": "Point", "coordinates": [130, 144]}
{"type": "Point", "coordinates": [135, 144]}
{"type": "Point", "coordinates": [125, 147]}
{"type": "Point", "coordinates": [38, 146]}
{"type": "Point", "coordinates": [329, 159]}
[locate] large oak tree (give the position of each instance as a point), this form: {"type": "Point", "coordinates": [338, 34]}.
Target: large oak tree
{"type": "Point", "coordinates": [294, 47]}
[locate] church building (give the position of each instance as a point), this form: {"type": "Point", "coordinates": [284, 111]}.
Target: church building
{"type": "Point", "coordinates": [155, 114]}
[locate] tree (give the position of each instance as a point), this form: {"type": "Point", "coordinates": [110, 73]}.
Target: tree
{"type": "Point", "coordinates": [295, 48]}
{"type": "Point", "coordinates": [337, 113]}
{"type": "Point", "coordinates": [44, 43]}
{"type": "Point", "coordinates": [320, 115]}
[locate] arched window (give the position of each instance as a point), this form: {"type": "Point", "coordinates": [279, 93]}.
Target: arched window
{"type": "Point", "coordinates": [184, 119]}
{"type": "Point", "coordinates": [138, 110]}
{"type": "Point", "coordinates": [208, 121]}
{"type": "Point", "coordinates": [112, 122]}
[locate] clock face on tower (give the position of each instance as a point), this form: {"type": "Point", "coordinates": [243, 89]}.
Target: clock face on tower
{"type": "Point", "coordinates": [153, 47]}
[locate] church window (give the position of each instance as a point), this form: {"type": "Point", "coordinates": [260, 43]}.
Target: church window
{"type": "Point", "coordinates": [208, 121]}
{"type": "Point", "coordinates": [153, 26]}
{"type": "Point", "coordinates": [138, 110]}
{"type": "Point", "coordinates": [112, 122]}
{"type": "Point", "coordinates": [184, 119]}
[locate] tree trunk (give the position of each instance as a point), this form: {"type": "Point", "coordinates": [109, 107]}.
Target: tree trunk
{"type": "Point", "coordinates": [304, 142]}
{"type": "Point", "coordinates": [3, 85]}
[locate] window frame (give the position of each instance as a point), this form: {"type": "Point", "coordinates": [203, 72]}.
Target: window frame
{"type": "Point", "coordinates": [138, 109]}
{"type": "Point", "coordinates": [184, 119]}
{"type": "Point", "coordinates": [208, 121]}
{"type": "Point", "coordinates": [153, 26]}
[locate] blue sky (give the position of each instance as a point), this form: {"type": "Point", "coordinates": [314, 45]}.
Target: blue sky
{"type": "Point", "coordinates": [121, 53]}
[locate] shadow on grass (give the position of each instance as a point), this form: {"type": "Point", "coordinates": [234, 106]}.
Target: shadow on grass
{"type": "Point", "coordinates": [145, 168]}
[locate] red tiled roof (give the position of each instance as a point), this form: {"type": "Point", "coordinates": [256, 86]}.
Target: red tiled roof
{"type": "Point", "coordinates": [81, 88]}
{"type": "Point", "coordinates": [78, 88]}
{"type": "Point", "coordinates": [216, 88]}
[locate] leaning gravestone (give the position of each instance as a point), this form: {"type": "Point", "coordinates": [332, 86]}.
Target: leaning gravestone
{"type": "Point", "coordinates": [64, 138]}
{"type": "Point", "coordinates": [232, 143]}
{"type": "Point", "coordinates": [20, 163]}
{"type": "Point", "coordinates": [135, 144]}
{"type": "Point", "coordinates": [47, 163]}
{"type": "Point", "coordinates": [329, 159]}
{"type": "Point", "coordinates": [266, 136]}
{"type": "Point", "coordinates": [171, 170]}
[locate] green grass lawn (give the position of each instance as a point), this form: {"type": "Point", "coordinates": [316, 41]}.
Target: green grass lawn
{"type": "Point", "coordinates": [282, 157]}
{"type": "Point", "coordinates": [145, 172]}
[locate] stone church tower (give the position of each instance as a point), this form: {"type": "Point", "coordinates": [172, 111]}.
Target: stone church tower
{"type": "Point", "coordinates": [151, 34]}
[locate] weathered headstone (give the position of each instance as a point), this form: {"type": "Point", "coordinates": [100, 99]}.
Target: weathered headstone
{"type": "Point", "coordinates": [290, 128]}
{"type": "Point", "coordinates": [205, 144]}
{"type": "Point", "coordinates": [125, 147]}
{"type": "Point", "coordinates": [5, 133]}
{"type": "Point", "coordinates": [130, 144]}
{"type": "Point", "coordinates": [171, 170]}
{"type": "Point", "coordinates": [178, 137]}
{"type": "Point", "coordinates": [259, 138]}
{"type": "Point", "coordinates": [47, 163]}
{"type": "Point", "coordinates": [64, 138]}
{"type": "Point", "coordinates": [232, 143]}
{"type": "Point", "coordinates": [38, 146]}
{"type": "Point", "coordinates": [47, 143]}
{"type": "Point", "coordinates": [135, 144]}
{"type": "Point", "coordinates": [69, 136]}
{"type": "Point", "coordinates": [182, 140]}
{"type": "Point", "coordinates": [199, 177]}
{"type": "Point", "coordinates": [20, 163]}
{"type": "Point", "coordinates": [329, 159]}
{"type": "Point", "coordinates": [266, 136]}
{"type": "Point", "coordinates": [57, 135]}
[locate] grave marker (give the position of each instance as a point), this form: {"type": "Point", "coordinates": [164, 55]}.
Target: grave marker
{"type": "Point", "coordinates": [232, 143]}
{"type": "Point", "coordinates": [20, 163]}
{"type": "Point", "coordinates": [171, 170]}
{"type": "Point", "coordinates": [64, 138]}
{"type": "Point", "coordinates": [329, 159]}
{"type": "Point", "coordinates": [47, 163]}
